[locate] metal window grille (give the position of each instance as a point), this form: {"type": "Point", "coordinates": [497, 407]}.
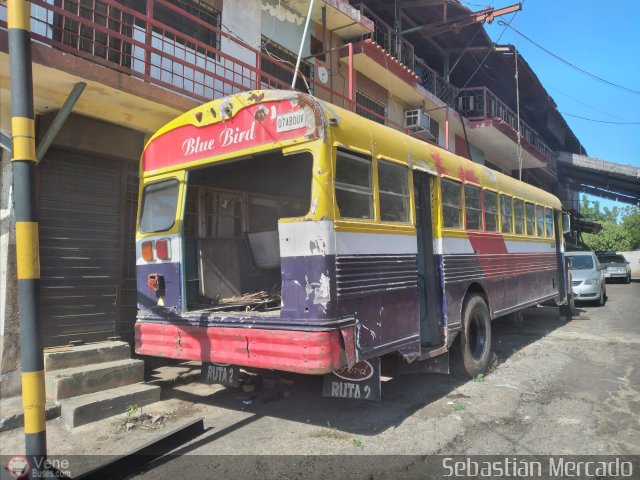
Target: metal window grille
{"type": "Point", "coordinates": [369, 108]}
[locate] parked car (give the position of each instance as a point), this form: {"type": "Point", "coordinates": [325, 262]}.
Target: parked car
{"type": "Point", "coordinates": [616, 266]}
{"type": "Point", "coordinates": [587, 277]}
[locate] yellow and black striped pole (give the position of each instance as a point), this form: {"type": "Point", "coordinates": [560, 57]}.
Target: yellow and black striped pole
{"type": "Point", "coordinates": [27, 254]}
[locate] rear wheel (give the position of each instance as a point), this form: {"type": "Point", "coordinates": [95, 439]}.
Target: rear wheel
{"type": "Point", "coordinates": [603, 297]}
{"type": "Point", "coordinates": [473, 353]}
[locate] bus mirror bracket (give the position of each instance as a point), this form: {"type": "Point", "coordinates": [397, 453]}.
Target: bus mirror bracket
{"type": "Point", "coordinates": [566, 222]}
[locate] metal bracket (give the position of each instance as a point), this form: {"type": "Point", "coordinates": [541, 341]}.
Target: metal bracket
{"type": "Point", "coordinates": [58, 122]}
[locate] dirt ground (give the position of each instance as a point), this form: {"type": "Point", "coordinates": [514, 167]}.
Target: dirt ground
{"type": "Point", "coordinates": [556, 387]}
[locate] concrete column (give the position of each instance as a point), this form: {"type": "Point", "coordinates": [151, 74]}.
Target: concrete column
{"type": "Point", "coordinates": [9, 323]}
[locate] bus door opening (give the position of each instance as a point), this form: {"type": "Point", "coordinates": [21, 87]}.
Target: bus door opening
{"type": "Point", "coordinates": [232, 258]}
{"type": "Point", "coordinates": [431, 331]}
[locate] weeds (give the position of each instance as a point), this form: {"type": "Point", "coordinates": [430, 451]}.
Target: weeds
{"type": "Point", "coordinates": [457, 407]}
{"type": "Point", "coordinates": [131, 409]}
{"type": "Point", "coordinates": [358, 443]}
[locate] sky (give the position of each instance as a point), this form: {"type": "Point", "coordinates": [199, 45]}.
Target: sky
{"type": "Point", "coordinates": [601, 38]}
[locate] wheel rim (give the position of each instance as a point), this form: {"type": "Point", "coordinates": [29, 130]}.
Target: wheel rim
{"type": "Point", "coordinates": [477, 335]}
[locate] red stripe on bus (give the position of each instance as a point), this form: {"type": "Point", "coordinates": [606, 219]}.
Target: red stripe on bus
{"type": "Point", "coordinates": [288, 350]}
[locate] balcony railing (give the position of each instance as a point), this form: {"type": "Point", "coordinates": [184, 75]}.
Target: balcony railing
{"type": "Point", "coordinates": [207, 62]}
{"type": "Point", "coordinates": [480, 103]}
{"type": "Point", "coordinates": [134, 42]}
{"type": "Point", "coordinates": [396, 45]}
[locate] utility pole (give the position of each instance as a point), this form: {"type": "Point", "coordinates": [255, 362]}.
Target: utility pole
{"type": "Point", "coordinates": [27, 251]}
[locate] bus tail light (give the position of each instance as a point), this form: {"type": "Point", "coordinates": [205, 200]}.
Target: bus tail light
{"type": "Point", "coordinates": [147, 251]}
{"type": "Point", "coordinates": [163, 249]}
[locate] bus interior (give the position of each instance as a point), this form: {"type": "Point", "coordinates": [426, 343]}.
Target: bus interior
{"type": "Point", "coordinates": [231, 243]}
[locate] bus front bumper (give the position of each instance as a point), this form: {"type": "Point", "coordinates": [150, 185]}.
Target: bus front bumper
{"type": "Point", "coordinates": [309, 352]}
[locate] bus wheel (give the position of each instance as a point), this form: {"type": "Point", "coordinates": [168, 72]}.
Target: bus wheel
{"type": "Point", "coordinates": [474, 348]}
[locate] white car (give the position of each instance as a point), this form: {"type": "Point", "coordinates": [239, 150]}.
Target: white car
{"type": "Point", "coordinates": [587, 277]}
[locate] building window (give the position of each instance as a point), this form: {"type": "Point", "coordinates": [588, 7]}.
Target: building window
{"type": "Point", "coordinates": [393, 183]}
{"type": "Point", "coordinates": [531, 219]}
{"type": "Point", "coordinates": [279, 63]}
{"type": "Point", "coordinates": [369, 108]}
{"type": "Point", "coordinates": [506, 214]}
{"type": "Point", "coordinates": [518, 214]}
{"type": "Point", "coordinates": [451, 204]}
{"type": "Point", "coordinates": [490, 211]}
{"type": "Point", "coordinates": [185, 25]}
{"type": "Point", "coordinates": [472, 208]}
{"type": "Point", "coordinates": [354, 192]}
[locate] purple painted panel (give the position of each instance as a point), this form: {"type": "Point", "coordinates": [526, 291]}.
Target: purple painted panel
{"type": "Point", "coordinates": [148, 299]}
{"type": "Point", "coordinates": [308, 287]}
{"type": "Point", "coordinates": [385, 319]}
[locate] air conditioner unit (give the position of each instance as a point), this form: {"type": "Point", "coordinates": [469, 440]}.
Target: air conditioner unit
{"type": "Point", "coordinates": [419, 121]}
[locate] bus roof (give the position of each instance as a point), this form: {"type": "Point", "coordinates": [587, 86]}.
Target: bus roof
{"type": "Point", "coordinates": [285, 117]}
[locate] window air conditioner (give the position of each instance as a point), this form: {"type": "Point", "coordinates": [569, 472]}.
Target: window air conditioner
{"type": "Point", "coordinates": [419, 122]}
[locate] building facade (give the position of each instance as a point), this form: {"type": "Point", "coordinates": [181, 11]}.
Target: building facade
{"type": "Point", "coordinates": [427, 68]}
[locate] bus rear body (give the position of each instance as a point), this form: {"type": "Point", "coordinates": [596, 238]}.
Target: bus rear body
{"type": "Point", "coordinates": [277, 231]}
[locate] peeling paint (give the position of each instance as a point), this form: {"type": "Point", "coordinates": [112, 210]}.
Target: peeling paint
{"type": "Point", "coordinates": [314, 206]}
{"type": "Point", "coordinates": [489, 173]}
{"type": "Point", "coordinates": [321, 290]}
{"type": "Point", "coordinates": [282, 13]}
{"type": "Point", "coordinates": [318, 246]}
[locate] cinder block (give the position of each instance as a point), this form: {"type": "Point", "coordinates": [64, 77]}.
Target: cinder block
{"type": "Point", "coordinates": [71, 382]}
{"type": "Point", "coordinates": [92, 407]}
{"type": "Point", "coordinates": [69, 357]}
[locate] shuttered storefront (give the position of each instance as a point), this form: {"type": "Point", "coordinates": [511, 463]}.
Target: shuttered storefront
{"type": "Point", "coordinates": [86, 208]}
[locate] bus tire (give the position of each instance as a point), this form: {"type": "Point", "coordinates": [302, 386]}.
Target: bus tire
{"type": "Point", "coordinates": [474, 341]}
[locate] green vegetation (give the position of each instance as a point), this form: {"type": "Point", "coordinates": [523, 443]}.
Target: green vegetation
{"type": "Point", "coordinates": [358, 443]}
{"type": "Point", "coordinates": [131, 409]}
{"type": "Point", "coordinates": [328, 433]}
{"type": "Point", "coordinates": [457, 407]}
{"type": "Point", "coordinates": [620, 227]}
{"type": "Point", "coordinates": [479, 378]}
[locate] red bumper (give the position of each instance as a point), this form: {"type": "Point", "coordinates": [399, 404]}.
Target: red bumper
{"type": "Point", "coordinates": [288, 350]}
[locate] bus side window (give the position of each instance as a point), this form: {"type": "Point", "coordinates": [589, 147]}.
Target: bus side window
{"type": "Point", "coordinates": [472, 208]}
{"type": "Point", "coordinates": [540, 220]}
{"type": "Point", "coordinates": [393, 183]}
{"type": "Point", "coordinates": [354, 192]}
{"type": "Point", "coordinates": [506, 214]}
{"type": "Point", "coordinates": [490, 211]}
{"type": "Point", "coordinates": [531, 219]}
{"type": "Point", "coordinates": [518, 214]}
{"type": "Point", "coordinates": [548, 217]}
{"type": "Point", "coordinates": [451, 204]}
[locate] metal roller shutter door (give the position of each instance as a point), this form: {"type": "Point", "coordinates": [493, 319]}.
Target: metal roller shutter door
{"type": "Point", "coordinates": [83, 214]}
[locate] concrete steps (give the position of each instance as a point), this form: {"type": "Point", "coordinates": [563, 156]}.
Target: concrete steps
{"type": "Point", "coordinates": [95, 381]}
{"type": "Point", "coordinates": [70, 382]}
{"type": "Point", "coordinates": [81, 355]}
{"type": "Point", "coordinates": [91, 407]}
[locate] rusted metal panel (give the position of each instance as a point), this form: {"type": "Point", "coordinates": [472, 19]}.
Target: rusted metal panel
{"type": "Point", "coordinates": [288, 350]}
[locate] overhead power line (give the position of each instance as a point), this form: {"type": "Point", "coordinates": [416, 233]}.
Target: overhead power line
{"type": "Point", "coordinates": [599, 121]}
{"type": "Point", "coordinates": [566, 62]}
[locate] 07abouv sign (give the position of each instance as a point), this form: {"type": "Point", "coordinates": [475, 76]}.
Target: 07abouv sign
{"type": "Point", "coordinates": [360, 382]}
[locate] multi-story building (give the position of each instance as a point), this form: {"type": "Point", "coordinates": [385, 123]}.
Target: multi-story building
{"type": "Point", "coordinates": [427, 67]}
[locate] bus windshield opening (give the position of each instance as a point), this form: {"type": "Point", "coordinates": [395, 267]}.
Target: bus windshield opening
{"type": "Point", "coordinates": [231, 229]}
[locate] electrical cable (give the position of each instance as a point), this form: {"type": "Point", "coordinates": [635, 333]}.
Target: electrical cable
{"type": "Point", "coordinates": [599, 121]}
{"type": "Point", "coordinates": [566, 62]}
